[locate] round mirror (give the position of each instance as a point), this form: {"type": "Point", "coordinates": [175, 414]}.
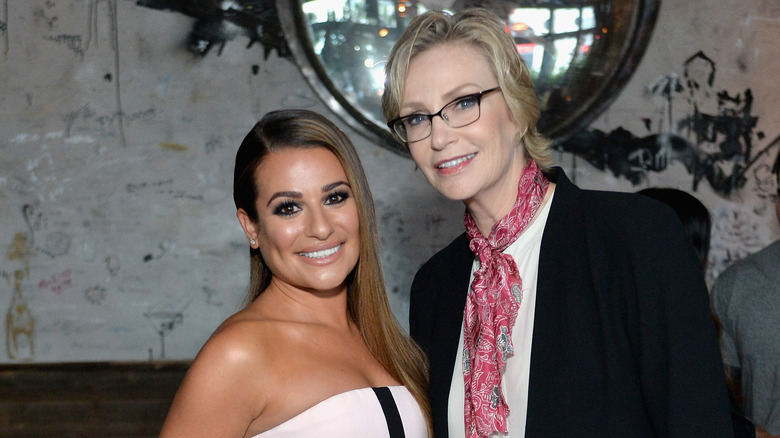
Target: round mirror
{"type": "Point", "coordinates": [580, 52]}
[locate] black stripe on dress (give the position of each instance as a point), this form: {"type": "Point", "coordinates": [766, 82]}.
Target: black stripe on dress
{"type": "Point", "coordinates": [394, 424]}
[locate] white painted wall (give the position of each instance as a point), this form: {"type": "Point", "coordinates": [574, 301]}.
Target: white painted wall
{"type": "Point", "coordinates": [107, 225]}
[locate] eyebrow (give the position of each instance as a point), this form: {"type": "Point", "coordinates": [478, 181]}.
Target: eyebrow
{"type": "Point", "coordinates": [298, 195]}
{"type": "Point", "coordinates": [448, 96]}
{"type": "Point", "coordinates": [331, 186]}
{"type": "Point", "coordinates": [295, 195]}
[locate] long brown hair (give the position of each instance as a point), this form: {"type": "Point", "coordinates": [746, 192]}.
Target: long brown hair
{"type": "Point", "coordinates": [481, 29]}
{"type": "Point", "coordinates": [367, 302]}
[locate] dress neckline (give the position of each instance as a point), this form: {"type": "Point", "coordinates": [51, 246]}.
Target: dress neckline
{"type": "Point", "coordinates": [325, 402]}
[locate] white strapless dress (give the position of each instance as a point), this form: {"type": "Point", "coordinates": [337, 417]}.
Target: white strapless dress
{"type": "Point", "coordinates": [358, 413]}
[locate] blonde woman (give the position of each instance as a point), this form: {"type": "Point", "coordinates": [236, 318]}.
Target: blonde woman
{"type": "Point", "coordinates": [560, 312]}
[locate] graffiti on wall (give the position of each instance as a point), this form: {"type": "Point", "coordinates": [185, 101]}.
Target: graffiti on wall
{"type": "Point", "coordinates": [19, 321]}
{"type": "Point", "coordinates": [711, 131]}
{"type": "Point", "coordinates": [218, 22]}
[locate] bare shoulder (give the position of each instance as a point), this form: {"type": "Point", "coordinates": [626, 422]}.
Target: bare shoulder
{"type": "Point", "coordinates": [241, 351]}
{"type": "Point", "coordinates": [230, 382]}
{"type": "Point", "coordinates": [260, 369]}
{"type": "Point", "coordinates": [242, 334]}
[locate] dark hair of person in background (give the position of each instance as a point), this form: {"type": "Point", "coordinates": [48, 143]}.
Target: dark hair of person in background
{"type": "Point", "coordinates": [692, 213]}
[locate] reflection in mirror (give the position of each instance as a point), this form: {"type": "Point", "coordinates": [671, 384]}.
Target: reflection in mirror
{"type": "Point", "coordinates": [580, 52]}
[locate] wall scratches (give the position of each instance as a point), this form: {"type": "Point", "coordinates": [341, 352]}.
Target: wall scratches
{"type": "Point", "coordinates": [4, 28]}
{"type": "Point", "coordinates": [92, 27]}
{"type": "Point", "coordinates": [115, 46]}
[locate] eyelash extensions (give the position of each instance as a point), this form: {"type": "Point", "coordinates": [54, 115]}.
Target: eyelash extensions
{"type": "Point", "coordinates": [287, 208]}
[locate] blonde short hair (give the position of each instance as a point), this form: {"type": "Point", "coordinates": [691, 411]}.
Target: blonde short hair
{"type": "Point", "coordinates": [483, 30]}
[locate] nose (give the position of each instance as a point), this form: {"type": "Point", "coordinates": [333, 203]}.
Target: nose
{"type": "Point", "coordinates": [441, 133]}
{"type": "Point", "coordinates": [319, 224]}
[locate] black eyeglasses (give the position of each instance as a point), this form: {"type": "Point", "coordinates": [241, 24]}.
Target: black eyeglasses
{"type": "Point", "coordinates": [462, 111]}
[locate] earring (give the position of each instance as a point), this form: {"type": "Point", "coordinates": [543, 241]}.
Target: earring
{"type": "Point", "coordinates": [252, 241]}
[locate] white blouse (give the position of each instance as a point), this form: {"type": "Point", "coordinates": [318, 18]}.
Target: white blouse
{"type": "Point", "coordinates": [514, 383]}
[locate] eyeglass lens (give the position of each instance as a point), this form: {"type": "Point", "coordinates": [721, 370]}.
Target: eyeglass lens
{"type": "Point", "coordinates": [456, 114]}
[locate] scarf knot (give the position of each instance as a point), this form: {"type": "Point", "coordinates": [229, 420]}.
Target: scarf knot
{"type": "Point", "coordinates": [491, 308]}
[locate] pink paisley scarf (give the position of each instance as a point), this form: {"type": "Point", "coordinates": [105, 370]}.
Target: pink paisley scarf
{"type": "Point", "coordinates": [491, 308]}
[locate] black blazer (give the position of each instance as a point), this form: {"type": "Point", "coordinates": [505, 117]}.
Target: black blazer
{"type": "Point", "coordinates": [624, 344]}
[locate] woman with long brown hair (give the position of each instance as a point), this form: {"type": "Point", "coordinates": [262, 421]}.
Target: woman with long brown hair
{"type": "Point", "coordinates": [316, 351]}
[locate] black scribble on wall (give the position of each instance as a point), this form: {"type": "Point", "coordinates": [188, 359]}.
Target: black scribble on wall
{"type": "Point", "coordinates": [40, 16]}
{"type": "Point", "coordinates": [713, 135]}
{"type": "Point", "coordinates": [4, 28]}
{"type": "Point", "coordinates": [764, 185]}
{"type": "Point", "coordinates": [95, 295]}
{"type": "Point", "coordinates": [112, 265]}
{"type": "Point", "coordinates": [83, 114]}
{"type": "Point", "coordinates": [164, 322]}
{"type": "Point", "coordinates": [54, 243]}
{"type": "Point", "coordinates": [210, 294]}
{"type": "Point", "coordinates": [162, 249]}
{"type": "Point", "coordinates": [626, 154]}
{"type": "Point", "coordinates": [86, 115]}
{"type": "Point", "coordinates": [156, 187]}
{"type": "Point", "coordinates": [221, 21]}
{"type": "Point", "coordinates": [72, 42]}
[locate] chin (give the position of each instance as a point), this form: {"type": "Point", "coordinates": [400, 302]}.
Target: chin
{"type": "Point", "coordinates": [332, 280]}
{"type": "Point", "coordinates": [331, 286]}
{"type": "Point", "coordinates": [455, 192]}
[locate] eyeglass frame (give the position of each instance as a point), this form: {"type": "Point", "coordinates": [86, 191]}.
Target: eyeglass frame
{"type": "Point", "coordinates": [391, 124]}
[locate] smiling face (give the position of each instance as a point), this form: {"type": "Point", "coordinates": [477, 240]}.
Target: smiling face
{"type": "Point", "coordinates": [308, 227]}
{"type": "Point", "coordinates": [479, 163]}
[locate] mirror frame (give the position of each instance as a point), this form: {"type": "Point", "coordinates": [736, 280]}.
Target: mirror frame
{"type": "Point", "coordinates": [294, 27]}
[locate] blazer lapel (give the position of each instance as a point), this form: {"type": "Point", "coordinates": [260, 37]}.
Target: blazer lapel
{"type": "Point", "coordinates": [451, 294]}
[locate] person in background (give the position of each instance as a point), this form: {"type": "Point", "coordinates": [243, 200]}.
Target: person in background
{"type": "Point", "coordinates": [746, 299]}
{"type": "Point", "coordinates": [697, 224]}
{"type": "Point", "coordinates": [694, 216]}
{"type": "Point", "coordinates": [316, 351]}
{"type": "Point", "coordinates": [560, 312]}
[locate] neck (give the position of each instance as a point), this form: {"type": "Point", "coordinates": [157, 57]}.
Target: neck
{"type": "Point", "coordinates": [328, 307]}
{"type": "Point", "coordinates": [493, 205]}
{"type": "Point", "coordinates": [487, 214]}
